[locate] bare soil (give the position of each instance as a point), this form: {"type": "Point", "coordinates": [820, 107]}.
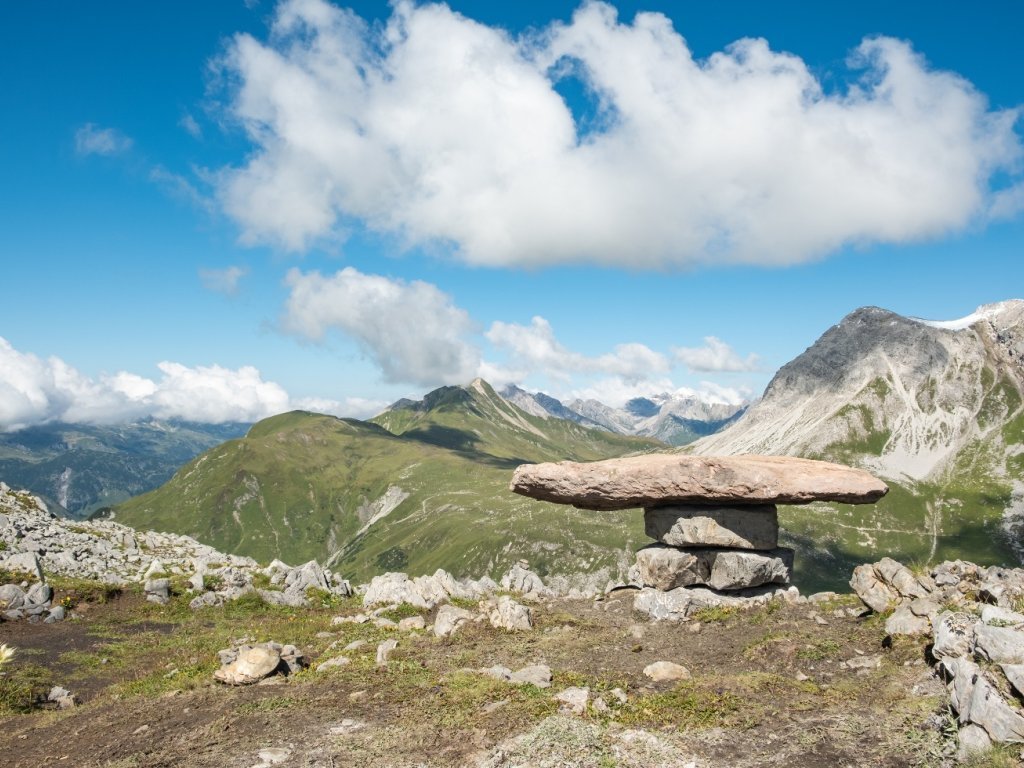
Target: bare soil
{"type": "Point", "coordinates": [770, 687]}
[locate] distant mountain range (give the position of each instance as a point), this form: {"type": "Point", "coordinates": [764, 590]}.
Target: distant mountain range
{"type": "Point", "coordinates": [672, 418]}
{"type": "Point", "coordinates": [423, 485]}
{"type": "Point", "coordinates": [936, 408]}
{"type": "Point", "coordinates": [933, 407]}
{"type": "Point", "coordinates": [80, 468]}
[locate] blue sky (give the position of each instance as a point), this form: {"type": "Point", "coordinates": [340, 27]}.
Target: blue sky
{"type": "Point", "coordinates": [337, 213]}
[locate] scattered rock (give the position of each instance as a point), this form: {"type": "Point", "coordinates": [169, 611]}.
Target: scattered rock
{"type": "Point", "coordinates": [384, 651]}
{"type": "Point", "coordinates": [411, 623]}
{"type": "Point", "coordinates": [573, 700]}
{"type": "Point", "coordinates": [953, 635]}
{"type": "Point", "coordinates": [449, 618]}
{"type": "Point", "coordinates": [662, 671]}
{"type": "Point", "coordinates": [62, 697]}
{"type": "Point", "coordinates": [250, 665]}
{"type": "Point", "coordinates": [336, 661]}
{"type": "Point", "coordinates": [507, 614]}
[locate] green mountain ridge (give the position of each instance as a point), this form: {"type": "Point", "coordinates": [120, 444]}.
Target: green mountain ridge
{"type": "Point", "coordinates": [422, 486]}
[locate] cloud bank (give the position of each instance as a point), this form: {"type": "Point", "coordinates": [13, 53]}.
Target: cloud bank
{"type": "Point", "coordinates": [35, 391]}
{"type": "Point", "coordinates": [442, 130]}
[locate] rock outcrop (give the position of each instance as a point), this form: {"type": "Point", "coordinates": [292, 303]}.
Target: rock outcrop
{"type": "Point", "coordinates": [977, 637]}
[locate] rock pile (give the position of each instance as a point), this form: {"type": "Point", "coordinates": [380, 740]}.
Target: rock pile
{"type": "Point", "coordinates": [972, 614]}
{"type": "Point", "coordinates": [714, 519]}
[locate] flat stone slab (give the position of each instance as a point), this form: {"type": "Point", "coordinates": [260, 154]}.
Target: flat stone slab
{"type": "Point", "coordinates": [665, 568]}
{"type": "Point", "coordinates": [659, 479]}
{"type": "Point", "coordinates": [750, 527]}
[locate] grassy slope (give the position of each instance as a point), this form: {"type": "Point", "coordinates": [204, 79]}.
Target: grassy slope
{"type": "Point", "coordinates": [298, 486]}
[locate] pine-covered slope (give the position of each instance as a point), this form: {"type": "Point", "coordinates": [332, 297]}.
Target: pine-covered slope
{"type": "Point", "coordinates": [426, 487]}
{"type": "Point", "coordinates": [935, 408]}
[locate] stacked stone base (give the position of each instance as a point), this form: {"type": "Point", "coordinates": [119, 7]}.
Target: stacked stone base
{"type": "Point", "coordinates": [710, 555]}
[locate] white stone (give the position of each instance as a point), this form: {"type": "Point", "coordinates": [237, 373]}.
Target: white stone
{"type": "Point", "coordinates": [662, 671]}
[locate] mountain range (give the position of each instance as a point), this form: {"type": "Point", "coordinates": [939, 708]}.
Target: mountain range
{"type": "Point", "coordinates": [81, 468]}
{"type": "Point", "coordinates": [935, 408]}
{"type": "Point", "coordinates": [673, 418]}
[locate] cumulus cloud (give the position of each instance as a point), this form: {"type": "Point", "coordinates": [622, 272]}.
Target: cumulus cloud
{"type": "Point", "coordinates": [411, 330]}
{"type": "Point", "coordinates": [715, 355]}
{"type": "Point", "coordinates": [444, 130]}
{"type": "Point", "coordinates": [222, 280]}
{"type": "Point", "coordinates": [35, 391]}
{"type": "Point", "coordinates": [535, 349]}
{"type": "Point", "coordinates": [90, 139]}
{"type": "Point", "coordinates": [350, 407]}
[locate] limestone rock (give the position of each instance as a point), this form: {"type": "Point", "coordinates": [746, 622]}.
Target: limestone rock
{"type": "Point", "coordinates": [974, 740]}
{"type": "Point", "coordinates": [662, 671]}
{"type": "Point", "coordinates": [449, 618]}
{"type": "Point", "coordinates": [681, 603]}
{"type": "Point", "coordinates": [954, 635]}
{"type": "Point", "coordinates": [885, 584]}
{"type": "Point", "coordinates": [534, 674]}
{"type": "Point", "coordinates": [751, 527]}
{"type": "Point", "coordinates": [252, 664]}
{"type": "Point", "coordinates": [665, 567]}
{"type": "Point", "coordinates": [903, 621]}
{"type": "Point", "coordinates": [1000, 645]}
{"type": "Point", "coordinates": [661, 479]}
{"type": "Point", "coordinates": [384, 651]}
{"type": "Point", "coordinates": [993, 614]}
{"type": "Point", "coordinates": [507, 614]}
{"type": "Point", "coordinates": [1014, 673]}
{"type": "Point", "coordinates": [573, 700]}
{"type": "Point", "coordinates": [410, 623]}
{"type": "Point", "coordinates": [519, 578]}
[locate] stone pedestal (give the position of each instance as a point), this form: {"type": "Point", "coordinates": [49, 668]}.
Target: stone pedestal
{"type": "Point", "coordinates": [725, 547]}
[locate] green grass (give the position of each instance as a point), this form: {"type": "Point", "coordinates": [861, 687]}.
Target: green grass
{"type": "Point", "coordinates": [22, 686]}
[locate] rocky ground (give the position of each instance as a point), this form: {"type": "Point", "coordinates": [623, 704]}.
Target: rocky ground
{"type": "Point", "coordinates": [138, 670]}
{"type": "Point", "coordinates": [782, 685]}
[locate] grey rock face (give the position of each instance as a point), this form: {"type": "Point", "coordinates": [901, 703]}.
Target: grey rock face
{"type": "Point", "coordinates": [954, 635]}
{"type": "Point", "coordinates": [660, 479]}
{"type": "Point", "coordinates": [1000, 645]}
{"type": "Point", "coordinates": [752, 527]}
{"type": "Point", "coordinates": [666, 568]}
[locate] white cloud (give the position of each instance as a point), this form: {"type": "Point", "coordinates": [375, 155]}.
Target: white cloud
{"type": "Point", "coordinates": [715, 355]}
{"type": "Point", "coordinates": [411, 331]}
{"type": "Point", "coordinates": [222, 280]}
{"type": "Point", "coordinates": [90, 139]}
{"type": "Point", "coordinates": [189, 124]}
{"type": "Point", "coordinates": [350, 407]}
{"type": "Point", "coordinates": [535, 349]}
{"type": "Point", "coordinates": [444, 130]}
{"type": "Point", "coordinates": [34, 391]}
